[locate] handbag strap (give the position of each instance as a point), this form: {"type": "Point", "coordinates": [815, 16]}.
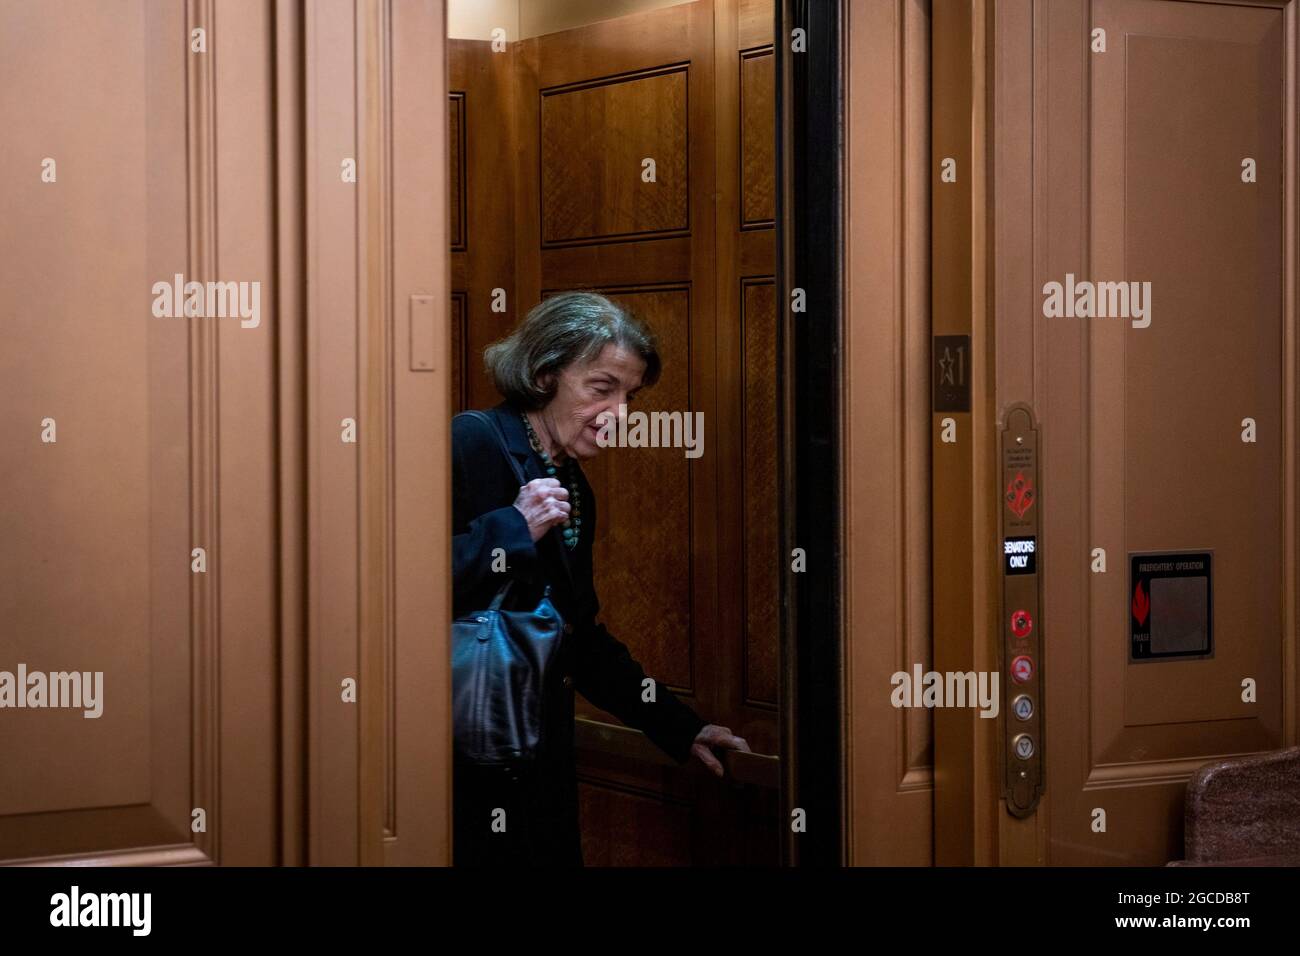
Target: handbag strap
{"type": "Point", "coordinates": [518, 471]}
{"type": "Point", "coordinates": [500, 597]}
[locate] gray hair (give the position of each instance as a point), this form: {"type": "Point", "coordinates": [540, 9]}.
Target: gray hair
{"type": "Point", "coordinates": [562, 329]}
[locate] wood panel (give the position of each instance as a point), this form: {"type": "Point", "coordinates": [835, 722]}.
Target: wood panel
{"type": "Point", "coordinates": [592, 103]}
{"type": "Point", "coordinates": [456, 170]}
{"type": "Point", "coordinates": [176, 433]}
{"type": "Point", "coordinates": [746, 432]}
{"type": "Point", "coordinates": [377, 508]}
{"type": "Point", "coordinates": [758, 138]}
{"type": "Point", "coordinates": [956, 81]}
{"type": "Point", "coordinates": [1150, 204]}
{"type": "Point", "coordinates": [754, 19]}
{"type": "Point", "coordinates": [747, 370]}
{"type": "Point", "coordinates": [886, 430]}
{"type": "Point", "coordinates": [595, 141]}
{"type": "Point", "coordinates": [333, 277]}
{"type": "Point", "coordinates": [1207, 251]}
{"type": "Point", "coordinates": [614, 819]}
{"type": "Point", "coordinates": [379, 788]}
{"type": "Point", "coordinates": [459, 357]}
{"type": "Point", "coordinates": [160, 421]}
{"type": "Point", "coordinates": [642, 598]}
{"type": "Point", "coordinates": [481, 174]}
{"type": "Point", "coordinates": [415, 588]}
{"type": "Point", "coordinates": [762, 559]}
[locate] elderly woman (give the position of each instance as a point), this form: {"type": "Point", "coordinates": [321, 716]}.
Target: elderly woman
{"type": "Point", "coordinates": [575, 359]}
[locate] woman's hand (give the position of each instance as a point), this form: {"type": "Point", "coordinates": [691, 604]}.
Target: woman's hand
{"type": "Point", "coordinates": [544, 503]}
{"type": "Point", "coordinates": [711, 735]}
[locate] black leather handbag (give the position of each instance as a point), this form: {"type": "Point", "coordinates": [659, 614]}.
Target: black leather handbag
{"type": "Point", "coordinates": [501, 658]}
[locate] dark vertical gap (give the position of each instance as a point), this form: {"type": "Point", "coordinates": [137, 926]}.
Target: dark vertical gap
{"type": "Point", "coordinates": [288, 20]}
{"type": "Point", "coordinates": [809, 156]}
{"type": "Point", "coordinates": [277, 414]}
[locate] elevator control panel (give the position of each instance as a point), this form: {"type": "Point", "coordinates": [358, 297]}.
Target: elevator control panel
{"type": "Point", "coordinates": [1022, 632]}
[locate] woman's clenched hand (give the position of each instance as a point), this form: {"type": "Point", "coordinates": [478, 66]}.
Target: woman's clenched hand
{"type": "Point", "coordinates": [544, 503]}
{"type": "Point", "coordinates": [711, 735]}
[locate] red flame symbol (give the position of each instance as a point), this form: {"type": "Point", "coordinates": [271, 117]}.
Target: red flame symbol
{"type": "Point", "coordinates": [1020, 495]}
{"type": "Point", "coordinates": [1141, 605]}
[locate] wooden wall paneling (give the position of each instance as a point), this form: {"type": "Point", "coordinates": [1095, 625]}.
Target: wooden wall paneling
{"type": "Point", "coordinates": [416, 799]}
{"type": "Point", "coordinates": [985, 509]}
{"type": "Point", "coordinates": [625, 123]}
{"type": "Point", "coordinates": [642, 482]}
{"type": "Point", "coordinates": [1222, 66]}
{"type": "Point", "coordinates": [652, 245]}
{"type": "Point", "coordinates": [746, 433]}
{"type": "Point", "coordinates": [381, 766]}
{"type": "Point", "coordinates": [887, 429]}
{"type": "Point", "coordinates": [757, 138]}
{"type": "Point", "coordinates": [190, 690]}
{"type": "Point", "coordinates": [460, 355]}
{"type": "Point", "coordinates": [622, 816]}
{"type": "Point", "coordinates": [245, 456]}
{"type": "Point", "coordinates": [122, 787]}
{"type": "Point", "coordinates": [527, 159]}
{"type": "Point", "coordinates": [291, 330]}
{"type": "Point", "coordinates": [761, 560]}
{"type": "Point", "coordinates": [1122, 739]}
{"type": "Point", "coordinates": [333, 251]}
{"type": "Point", "coordinates": [964, 522]}
{"type": "Point", "coordinates": [482, 208]}
{"type": "Point", "coordinates": [755, 23]}
{"type": "Point", "coordinates": [1290, 383]}
{"type": "Point", "coordinates": [209, 700]}
{"type": "Point", "coordinates": [379, 787]}
{"type": "Point", "coordinates": [377, 763]}
{"type": "Point", "coordinates": [456, 172]}
{"type": "Point", "coordinates": [458, 232]}
{"type": "Point", "coordinates": [952, 494]}
{"type": "Point", "coordinates": [728, 438]}
{"type": "Point", "coordinates": [204, 589]}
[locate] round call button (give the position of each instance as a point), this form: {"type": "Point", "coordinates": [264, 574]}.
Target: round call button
{"type": "Point", "coordinates": [1021, 624]}
{"type": "Point", "coordinates": [1022, 669]}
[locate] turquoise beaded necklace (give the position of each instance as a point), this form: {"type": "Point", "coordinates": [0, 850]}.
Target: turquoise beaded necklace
{"type": "Point", "coordinates": [573, 524]}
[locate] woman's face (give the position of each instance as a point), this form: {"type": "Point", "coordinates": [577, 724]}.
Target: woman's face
{"type": "Point", "coordinates": [585, 393]}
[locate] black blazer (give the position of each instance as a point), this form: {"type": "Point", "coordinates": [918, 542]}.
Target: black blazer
{"type": "Point", "coordinates": [595, 663]}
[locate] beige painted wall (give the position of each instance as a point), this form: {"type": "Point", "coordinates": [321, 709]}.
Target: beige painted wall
{"type": "Point", "coordinates": [475, 19]}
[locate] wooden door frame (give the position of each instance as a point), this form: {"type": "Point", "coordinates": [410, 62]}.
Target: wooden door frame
{"type": "Point", "coordinates": [399, 742]}
{"type": "Point", "coordinates": [965, 599]}
{"type": "Point", "coordinates": [886, 428]}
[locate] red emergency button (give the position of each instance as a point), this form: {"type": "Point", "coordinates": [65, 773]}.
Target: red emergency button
{"type": "Point", "coordinates": [1022, 669]}
{"type": "Point", "coordinates": [1021, 624]}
